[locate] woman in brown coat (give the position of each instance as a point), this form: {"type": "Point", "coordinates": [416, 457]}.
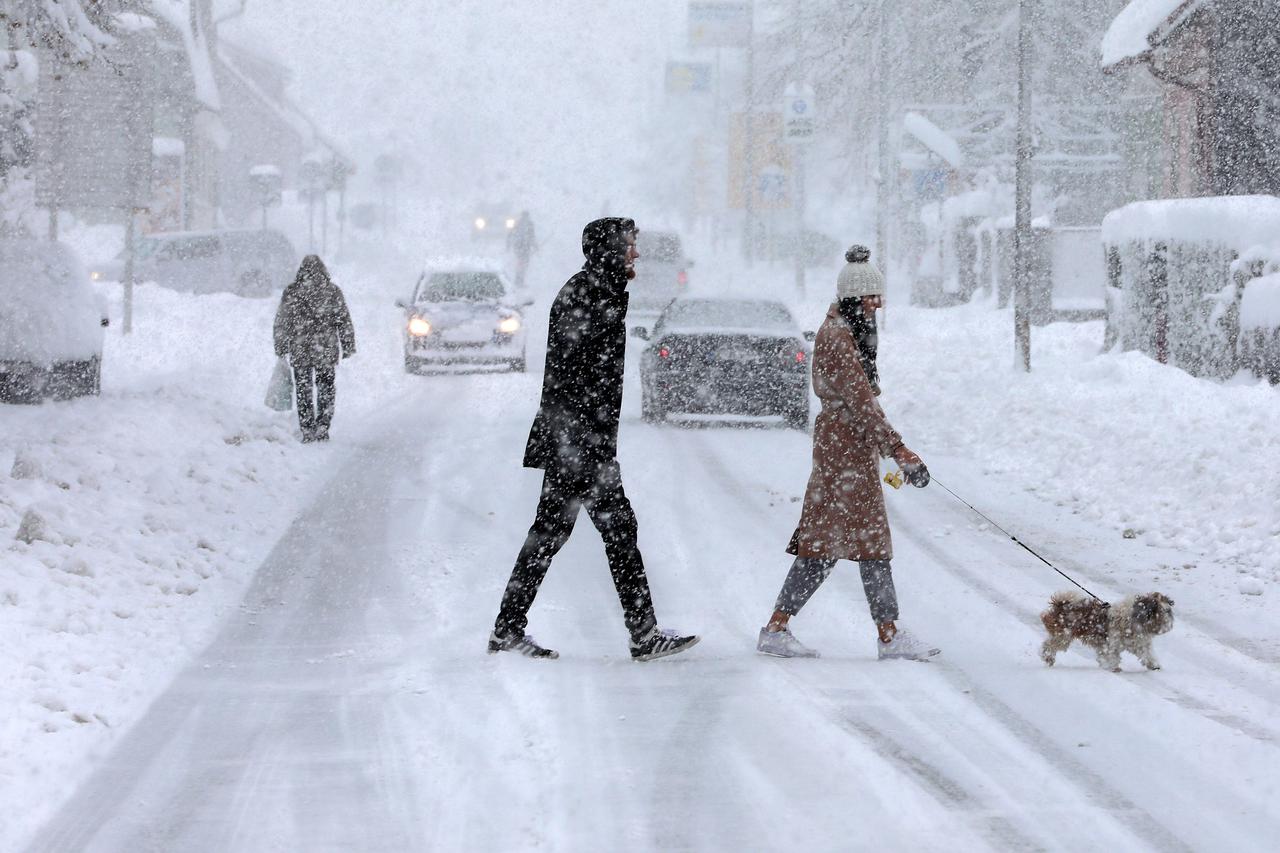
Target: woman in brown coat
{"type": "Point", "coordinates": [844, 514]}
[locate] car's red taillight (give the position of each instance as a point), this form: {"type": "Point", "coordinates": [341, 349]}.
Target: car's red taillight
{"type": "Point", "coordinates": [664, 352]}
{"type": "Point", "coordinates": [800, 357]}
{"type": "Point", "coordinates": [682, 278]}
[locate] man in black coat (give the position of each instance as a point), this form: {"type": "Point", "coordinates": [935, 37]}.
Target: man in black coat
{"type": "Point", "coordinates": [574, 440]}
{"type": "Point", "coordinates": [313, 329]}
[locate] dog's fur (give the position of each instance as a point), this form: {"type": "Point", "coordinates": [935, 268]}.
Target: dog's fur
{"type": "Point", "coordinates": [1108, 629]}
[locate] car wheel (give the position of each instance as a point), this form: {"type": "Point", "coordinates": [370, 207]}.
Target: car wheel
{"type": "Point", "coordinates": [798, 416]}
{"type": "Point", "coordinates": [70, 379]}
{"type": "Point", "coordinates": [651, 410]}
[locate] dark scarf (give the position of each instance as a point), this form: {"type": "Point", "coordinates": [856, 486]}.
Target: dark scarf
{"type": "Point", "coordinates": [865, 336]}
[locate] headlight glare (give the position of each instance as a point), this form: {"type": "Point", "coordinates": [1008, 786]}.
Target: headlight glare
{"type": "Point", "coordinates": [509, 325]}
{"type": "Point", "coordinates": [480, 223]}
{"type": "Point", "coordinates": [418, 327]}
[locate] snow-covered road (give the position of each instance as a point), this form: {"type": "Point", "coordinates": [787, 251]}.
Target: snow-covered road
{"type": "Point", "coordinates": [349, 704]}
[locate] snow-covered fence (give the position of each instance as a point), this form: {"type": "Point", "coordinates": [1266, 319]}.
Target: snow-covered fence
{"type": "Point", "coordinates": [1174, 295]}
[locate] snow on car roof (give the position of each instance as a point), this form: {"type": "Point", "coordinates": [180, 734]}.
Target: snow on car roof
{"type": "Point", "coordinates": [741, 315]}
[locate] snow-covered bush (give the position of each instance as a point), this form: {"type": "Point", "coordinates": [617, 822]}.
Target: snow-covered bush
{"type": "Point", "coordinates": [1173, 262]}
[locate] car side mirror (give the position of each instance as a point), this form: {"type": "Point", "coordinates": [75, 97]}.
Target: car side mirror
{"type": "Point", "coordinates": [105, 322]}
{"type": "Point", "coordinates": [810, 336]}
{"type": "Point", "coordinates": [400, 303]}
{"type": "Point", "coordinates": [640, 332]}
{"type": "Point", "coordinates": [688, 264]}
{"type": "Point", "coordinates": [526, 302]}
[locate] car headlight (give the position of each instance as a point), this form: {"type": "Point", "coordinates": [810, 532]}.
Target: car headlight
{"type": "Point", "coordinates": [418, 327]}
{"type": "Point", "coordinates": [480, 223]}
{"type": "Point", "coordinates": [95, 275]}
{"type": "Point", "coordinates": [509, 325]}
{"type": "Point", "coordinates": [511, 223]}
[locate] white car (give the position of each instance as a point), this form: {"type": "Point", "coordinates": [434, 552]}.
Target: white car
{"type": "Point", "coordinates": [51, 322]}
{"type": "Point", "coordinates": [462, 315]}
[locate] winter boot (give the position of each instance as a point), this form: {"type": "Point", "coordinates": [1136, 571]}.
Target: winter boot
{"type": "Point", "coordinates": [783, 644]}
{"type": "Point", "coordinates": [904, 646]}
{"type": "Point", "coordinates": [659, 644]}
{"type": "Point", "coordinates": [523, 644]}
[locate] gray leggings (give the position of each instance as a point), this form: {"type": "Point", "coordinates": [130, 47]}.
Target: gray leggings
{"type": "Point", "coordinates": [808, 573]}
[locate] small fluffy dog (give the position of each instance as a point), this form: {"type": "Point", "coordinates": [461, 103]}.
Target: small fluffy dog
{"type": "Point", "coordinates": [1108, 629]}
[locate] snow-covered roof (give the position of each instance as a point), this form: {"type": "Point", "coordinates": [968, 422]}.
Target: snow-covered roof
{"type": "Point", "coordinates": [1236, 222]}
{"type": "Point", "coordinates": [1128, 37]}
{"type": "Point", "coordinates": [285, 111]}
{"type": "Point", "coordinates": [934, 138]}
{"type": "Point", "coordinates": [177, 15]}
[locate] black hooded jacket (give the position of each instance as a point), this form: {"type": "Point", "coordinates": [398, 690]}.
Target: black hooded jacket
{"type": "Point", "coordinates": [576, 428]}
{"type": "Point", "coordinates": [313, 326]}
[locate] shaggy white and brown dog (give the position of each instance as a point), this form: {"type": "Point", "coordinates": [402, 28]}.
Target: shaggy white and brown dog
{"type": "Point", "coordinates": [1108, 629]}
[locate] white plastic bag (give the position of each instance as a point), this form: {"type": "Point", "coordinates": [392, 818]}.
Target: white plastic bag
{"type": "Point", "coordinates": [280, 390]}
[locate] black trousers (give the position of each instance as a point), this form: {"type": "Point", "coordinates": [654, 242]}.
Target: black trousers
{"type": "Point", "coordinates": [601, 494]}
{"type": "Point", "coordinates": [315, 387]}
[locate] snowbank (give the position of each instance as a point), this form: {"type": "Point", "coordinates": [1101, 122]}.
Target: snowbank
{"type": "Point", "coordinates": [1235, 222]}
{"type": "Point", "coordinates": [1260, 304]}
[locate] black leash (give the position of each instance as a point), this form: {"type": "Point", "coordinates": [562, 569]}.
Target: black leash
{"type": "Point", "coordinates": [1028, 548]}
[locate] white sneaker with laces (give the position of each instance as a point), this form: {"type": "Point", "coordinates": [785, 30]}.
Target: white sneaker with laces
{"type": "Point", "coordinates": [905, 646]}
{"type": "Point", "coordinates": [783, 644]}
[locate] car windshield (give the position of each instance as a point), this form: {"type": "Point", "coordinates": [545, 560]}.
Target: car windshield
{"type": "Point", "coordinates": [731, 313]}
{"type": "Point", "coordinates": [461, 287]}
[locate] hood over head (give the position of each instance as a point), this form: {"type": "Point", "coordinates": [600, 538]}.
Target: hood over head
{"type": "Point", "coordinates": [605, 247]}
{"type": "Point", "coordinates": [312, 271]}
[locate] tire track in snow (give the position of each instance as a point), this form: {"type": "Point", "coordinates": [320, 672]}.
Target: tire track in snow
{"type": "Point", "coordinates": [1088, 782]}
{"type": "Point", "coordinates": [1030, 617]}
{"type": "Point", "coordinates": [942, 787]}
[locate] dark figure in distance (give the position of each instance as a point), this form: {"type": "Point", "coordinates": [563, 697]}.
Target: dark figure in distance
{"type": "Point", "coordinates": [574, 440]}
{"type": "Point", "coordinates": [313, 329]}
{"type": "Point", "coordinates": [522, 241]}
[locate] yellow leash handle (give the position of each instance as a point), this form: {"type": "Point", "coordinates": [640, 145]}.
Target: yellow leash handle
{"type": "Point", "coordinates": [894, 478]}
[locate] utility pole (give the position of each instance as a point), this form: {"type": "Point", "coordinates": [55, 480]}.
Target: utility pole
{"type": "Point", "coordinates": [885, 167]}
{"type": "Point", "coordinates": [797, 165]}
{"type": "Point", "coordinates": [1022, 211]}
{"type": "Point", "coordinates": [749, 140]}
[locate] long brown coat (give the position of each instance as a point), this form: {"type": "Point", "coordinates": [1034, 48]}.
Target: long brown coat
{"type": "Point", "coordinates": [844, 515]}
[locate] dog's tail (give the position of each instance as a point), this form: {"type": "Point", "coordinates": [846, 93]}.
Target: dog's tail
{"type": "Point", "coordinates": [1054, 618]}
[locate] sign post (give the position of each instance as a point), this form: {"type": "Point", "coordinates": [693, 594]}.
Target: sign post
{"type": "Point", "coordinates": [799, 126]}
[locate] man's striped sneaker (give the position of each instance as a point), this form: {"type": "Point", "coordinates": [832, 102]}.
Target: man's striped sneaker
{"type": "Point", "coordinates": [524, 645]}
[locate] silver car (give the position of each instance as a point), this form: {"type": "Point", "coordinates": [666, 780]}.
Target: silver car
{"type": "Point", "coordinates": [243, 262]}
{"type": "Point", "coordinates": [463, 316]}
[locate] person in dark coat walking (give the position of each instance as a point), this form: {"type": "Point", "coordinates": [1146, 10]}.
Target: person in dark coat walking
{"type": "Point", "coordinates": [844, 515]}
{"type": "Point", "coordinates": [313, 329]}
{"type": "Point", "coordinates": [574, 440]}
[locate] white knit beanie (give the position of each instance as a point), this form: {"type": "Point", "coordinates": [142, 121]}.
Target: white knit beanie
{"type": "Point", "coordinates": [859, 279]}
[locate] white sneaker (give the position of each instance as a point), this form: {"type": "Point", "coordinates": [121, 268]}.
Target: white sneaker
{"type": "Point", "coordinates": [904, 646]}
{"type": "Point", "coordinates": [783, 644]}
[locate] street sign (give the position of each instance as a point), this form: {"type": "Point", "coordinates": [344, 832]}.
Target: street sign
{"type": "Point", "coordinates": [799, 117]}
{"type": "Point", "coordinates": [719, 24]}
{"type": "Point", "coordinates": [94, 128]}
{"type": "Point", "coordinates": [769, 160]}
{"type": "Point", "coordinates": [684, 78]}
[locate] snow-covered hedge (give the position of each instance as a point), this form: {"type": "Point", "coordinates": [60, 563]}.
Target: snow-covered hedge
{"type": "Point", "coordinates": [1172, 263]}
